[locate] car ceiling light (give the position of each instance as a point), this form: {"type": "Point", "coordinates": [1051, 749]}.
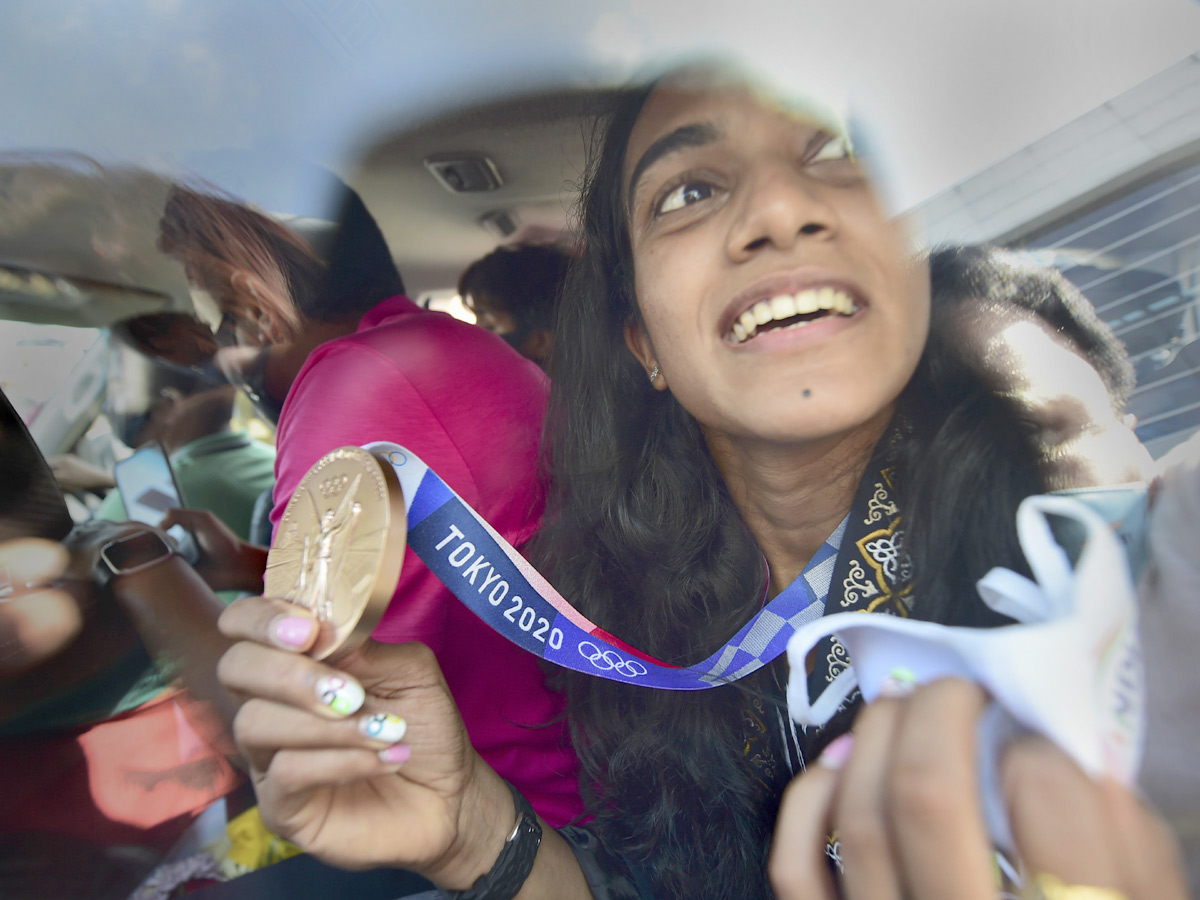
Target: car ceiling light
{"type": "Point", "coordinates": [499, 222]}
{"type": "Point", "coordinates": [465, 173]}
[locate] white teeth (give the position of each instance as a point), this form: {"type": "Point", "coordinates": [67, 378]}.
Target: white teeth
{"type": "Point", "coordinates": [808, 302]}
{"type": "Point", "coordinates": [782, 307]}
{"type": "Point", "coordinates": [749, 325]}
{"type": "Point", "coordinates": [785, 306]}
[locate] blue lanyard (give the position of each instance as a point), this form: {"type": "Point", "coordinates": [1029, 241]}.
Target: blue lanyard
{"type": "Point", "coordinates": [502, 588]}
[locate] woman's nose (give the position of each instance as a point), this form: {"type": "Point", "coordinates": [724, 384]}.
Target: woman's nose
{"type": "Point", "coordinates": [780, 204]}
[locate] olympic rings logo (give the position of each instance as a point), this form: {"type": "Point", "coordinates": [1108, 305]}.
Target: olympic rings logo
{"type": "Point", "coordinates": [396, 457]}
{"type": "Point", "coordinates": [611, 661]}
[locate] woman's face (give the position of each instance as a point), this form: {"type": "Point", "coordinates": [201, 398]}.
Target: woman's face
{"type": "Point", "coordinates": [778, 301]}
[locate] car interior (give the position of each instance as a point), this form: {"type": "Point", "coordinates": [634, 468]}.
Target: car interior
{"type": "Point", "coordinates": [446, 189]}
{"type": "Point", "coordinates": [447, 184]}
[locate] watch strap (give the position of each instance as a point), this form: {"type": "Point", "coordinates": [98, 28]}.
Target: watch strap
{"type": "Point", "coordinates": [149, 548]}
{"type": "Point", "coordinates": [515, 862]}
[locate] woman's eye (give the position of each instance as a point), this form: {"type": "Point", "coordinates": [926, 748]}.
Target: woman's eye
{"type": "Point", "coordinates": [684, 195]}
{"type": "Point", "coordinates": [837, 147]}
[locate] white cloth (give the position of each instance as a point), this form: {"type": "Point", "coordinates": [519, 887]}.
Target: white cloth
{"type": "Point", "coordinates": [1072, 671]}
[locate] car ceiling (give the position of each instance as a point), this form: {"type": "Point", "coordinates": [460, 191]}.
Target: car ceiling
{"type": "Point", "coordinates": [538, 143]}
{"type": "Point", "coordinates": [165, 82]}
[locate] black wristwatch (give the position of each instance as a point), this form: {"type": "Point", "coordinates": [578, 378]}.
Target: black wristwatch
{"type": "Point", "coordinates": [515, 861]}
{"type": "Point", "coordinates": [131, 553]}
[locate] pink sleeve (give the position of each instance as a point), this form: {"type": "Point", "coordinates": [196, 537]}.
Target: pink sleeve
{"type": "Point", "coordinates": [350, 394]}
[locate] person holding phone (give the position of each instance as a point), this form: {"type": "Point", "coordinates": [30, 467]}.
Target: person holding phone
{"type": "Point", "coordinates": [188, 412]}
{"type": "Point", "coordinates": [125, 754]}
{"type": "Point", "coordinates": [108, 693]}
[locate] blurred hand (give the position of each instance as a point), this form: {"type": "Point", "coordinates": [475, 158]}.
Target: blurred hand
{"type": "Point", "coordinates": [227, 563]}
{"type": "Point", "coordinates": [36, 620]}
{"type": "Point", "coordinates": [903, 799]}
{"type": "Point", "coordinates": [421, 798]}
{"type": "Point", "coordinates": [73, 473]}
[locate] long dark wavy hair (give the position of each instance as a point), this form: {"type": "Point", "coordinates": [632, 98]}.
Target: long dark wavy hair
{"type": "Point", "coordinates": [642, 534]}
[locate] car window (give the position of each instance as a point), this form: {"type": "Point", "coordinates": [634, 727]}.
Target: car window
{"type": "Point", "coordinates": [38, 361]}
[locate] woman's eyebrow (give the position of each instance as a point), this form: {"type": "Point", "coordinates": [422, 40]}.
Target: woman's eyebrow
{"type": "Point", "coordinates": [697, 135]}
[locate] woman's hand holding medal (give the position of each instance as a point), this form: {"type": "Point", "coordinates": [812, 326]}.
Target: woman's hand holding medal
{"type": "Point", "coordinates": [366, 764]}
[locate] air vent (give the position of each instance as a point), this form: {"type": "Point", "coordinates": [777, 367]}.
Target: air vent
{"type": "Point", "coordinates": [464, 173]}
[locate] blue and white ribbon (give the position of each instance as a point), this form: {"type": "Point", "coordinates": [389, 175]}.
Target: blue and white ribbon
{"type": "Point", "coordinates": [502, 588]}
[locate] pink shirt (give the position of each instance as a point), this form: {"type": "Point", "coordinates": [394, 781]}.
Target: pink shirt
{"type": "Point", "coordinates": [472, 409]}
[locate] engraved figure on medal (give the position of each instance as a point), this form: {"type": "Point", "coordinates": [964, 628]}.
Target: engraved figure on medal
{"type": "Point", "coordinates": [319, 570]}
{"type": "Point", "coordinates": [339, 547]}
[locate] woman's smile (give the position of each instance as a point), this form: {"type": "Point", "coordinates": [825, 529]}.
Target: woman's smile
{"type": "Point", "coordinates": [788, 304]}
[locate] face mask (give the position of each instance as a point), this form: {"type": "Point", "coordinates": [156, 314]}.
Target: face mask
{"type": "Point", "coordinates": [251, 379]}
{"type": "Point", "coordinates": [207, 309]}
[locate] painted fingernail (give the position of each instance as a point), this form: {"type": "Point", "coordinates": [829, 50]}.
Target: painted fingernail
{"type": "Point", "coordinates": [383, 727]}
{"type": "Point", "coordinates": [900, 682]}
{"type": "Point", "coordinates": [397, 754]}
{"type": "Point", "coordinates": [834, 756]}
{"type": "Point", "coordinates": [291, 632]}
{"type": "Point", "coordinates": [340, 694]}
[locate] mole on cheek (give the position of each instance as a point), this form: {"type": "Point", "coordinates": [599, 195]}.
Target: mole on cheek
{"type": "Point", "coordinates": [806, 393]}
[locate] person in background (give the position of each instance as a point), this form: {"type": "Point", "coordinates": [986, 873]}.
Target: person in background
{"type": "Point", "coordinates": [222, 473]}
{"type": "Point", "coordinates": [1030, 337]}
{"type": "Point", "coordinates": [513, 292]}
{"type": "Point", "coordinates": [361, 363]}
{"type": "Point", "coordinates": [190, 413]}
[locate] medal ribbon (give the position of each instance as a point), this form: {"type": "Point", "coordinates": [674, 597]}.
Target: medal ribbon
{"type": "Point", "coordinates": [500, 586]}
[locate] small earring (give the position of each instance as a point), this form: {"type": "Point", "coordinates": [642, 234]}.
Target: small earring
{"type": "Point", "coordinates": [654, 374]}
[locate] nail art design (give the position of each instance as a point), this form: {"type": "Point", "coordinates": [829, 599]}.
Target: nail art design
{"type": "Point", "coordinates": [900, 682]}
{"type": "Point", "coordinates": [340, 694]}
{"type": "Point", "coordinates": [383, 727]}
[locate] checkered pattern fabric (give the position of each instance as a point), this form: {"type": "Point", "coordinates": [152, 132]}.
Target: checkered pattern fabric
{"type": "Point", "coordinates": [765, 636]}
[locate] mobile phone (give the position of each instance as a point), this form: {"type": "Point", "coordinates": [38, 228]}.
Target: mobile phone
{"type": "Point", "coordinates": [148, 489]}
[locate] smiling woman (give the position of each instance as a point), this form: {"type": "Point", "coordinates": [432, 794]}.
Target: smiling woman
{"type": "Point", "coordinates": [743, 410]}
{"type": "Point", "coordinates": [713, 203]}
{"type": "Point", "coordinates": [720, 206]}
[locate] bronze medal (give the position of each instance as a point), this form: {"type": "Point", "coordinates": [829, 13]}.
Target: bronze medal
{"type": "Point", "coordinates": [339, 547]}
